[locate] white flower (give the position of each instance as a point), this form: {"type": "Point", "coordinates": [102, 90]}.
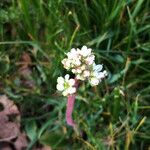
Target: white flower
{"type": "Point", "coordinates": [85, 51]}
{"type": "Point", "coordinates": [90, 59]}
{"type": "Point", "coordinates": [97, 67]}
{"type": "Point", "coordinates": [86, 73]}
{"type": "Point", "coordinates": [77, 62]}
{"type": "Point", "coordinates": [82, 63]}
{"type": "Point", "coordinates": [97, 74]}
{"type": "Point", "coordinates": [63, 61]}
{"type": "Point", "coordinates": [83, 67]}
{"type": "Point", "coordinates": [66, 63]}
{"type": "Point", "coordinates": [73, 70]}
{"type": "Point", "coordinates": [79, 77]}
{"type": "Point", "coordinates": [72, 53]}
{"type": "Point", "coordinates": [66, 85]}
{"type": "Point", "coordinates": [79, 70]}
{"type": "Point", "coordinates": [94, 81]}
{"type": "Point", "coordinates": [97, 71]}
{"type": "Point", "coordinates": [77, 57]}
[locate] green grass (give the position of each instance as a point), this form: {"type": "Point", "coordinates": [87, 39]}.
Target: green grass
{"type": "Point", "coordinates": [114, 115]}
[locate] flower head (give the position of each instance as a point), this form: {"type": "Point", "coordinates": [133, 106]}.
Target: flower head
{"type": "Point", "coordinates": [82, 63]}
{"type": "Point", "coordinates": [97, 74]}
{"type": "Point", "coordinates": [66, 85]}
{"type": "Point", "coordinates": [79, 61]}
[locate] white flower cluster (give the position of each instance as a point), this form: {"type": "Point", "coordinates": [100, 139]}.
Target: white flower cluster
{"type": "Point", "coordinates": [82, 64]}
{"type": "Point", "coordinates": [66, 85]}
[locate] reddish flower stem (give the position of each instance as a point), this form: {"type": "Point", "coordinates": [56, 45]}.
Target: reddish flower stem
{"type": "Point", "coordinates": [69, 110]}
{"type": "Point", "coordinates": [70, 107]}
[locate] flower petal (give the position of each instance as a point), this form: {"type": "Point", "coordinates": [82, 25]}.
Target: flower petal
{"type": "Point", "coordinates": [60, 87]}
{"type": "Point", "coordinates": [98, 67]}
{"type": "Point", "coordinates": [67, 77]}
{"type": "Point", "coordinates": [79, 77]}
{"type": "Point", "coordinates": [71, 90]}
{"type": "Point", "coordinates": [71, 82]}
{"type": "Point", "coordinates": [86, 73]}
{"type": "Point", "coordinates": [60, 80]}
{"type": "Point", "coordinates": [94, 81]}
{"type": "Point", "coordinates": [90, 59]}
{"type": "Point", "coordinates": [65, 93]}
{"type": "Point", "coordinates": [84, 51]}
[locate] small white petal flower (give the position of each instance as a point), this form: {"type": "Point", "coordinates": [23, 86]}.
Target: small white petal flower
{"type": "Point", "coordinates": [79, 77]}
{"type": "Point", "coordinates": [85, 51]}
{"type": "Point", "coordinates": [79, 70]}
{"type": "Point", "coordinates": [94, 81]}
{"type": "Point", "coordinates": [97, 67]}
{"type": "Point", "coordinates": [73, 70]}
{"type": "Point", "coordinates": [72, 53]}
{"type": "Point", "coordinates": [78, 51]}
{"type": "Point", "coordinates": [77, 62]}
{"type": "Point", "coordinates": [63, 61]}
{"type": "Point", "coordinates": [96, 74]}
{"type": "Point", "coordinates": [83, 67]}
{"type": "Point", "coordinates": [66, 63]}
{"type": "Point", "coordinates": [81, 63]}
{"type": "Point", "coordinates": [100, 75]}
{"type": "Point", "coordinates": [97, 71]}
{"type": "Point", "coordinates": [66, 85]}
{"type": "Point", "coordinates": [86, 73]}
{"type": "Point", "coordinates": [90, 60]}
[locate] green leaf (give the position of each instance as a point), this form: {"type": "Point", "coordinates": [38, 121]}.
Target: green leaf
{"type": "Point", "coordinates": [45, 126]}
{"type": "Point", "coordinates": [55, 140]}
{"type": "Point", "coordinates": [119, 58]}
{"type": "Point", "coordinates": [137, 8]}
{"type": "Point", "coordinates": [4, 65]}
{"type": "Point", "coordinates": [31, 130]}
{"type": "Point", "coordinates": [116, 77]}
{"type": "Point", "coordinates": [116, 103]}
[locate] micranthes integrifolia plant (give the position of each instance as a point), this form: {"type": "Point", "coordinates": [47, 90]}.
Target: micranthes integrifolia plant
{"type": "Point", "coordinates": [81, 62]}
